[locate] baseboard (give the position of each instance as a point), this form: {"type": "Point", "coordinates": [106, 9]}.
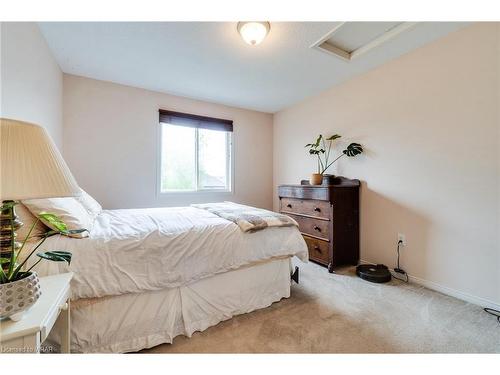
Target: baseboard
{"type": "Point", "coordinates": [483, 302]}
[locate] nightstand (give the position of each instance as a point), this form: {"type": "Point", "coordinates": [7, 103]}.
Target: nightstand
{"type": "Point", "coordinates": [27, 335]}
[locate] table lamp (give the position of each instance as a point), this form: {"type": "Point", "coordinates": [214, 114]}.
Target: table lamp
{"type": "Point", "coordinates": [31, 167]}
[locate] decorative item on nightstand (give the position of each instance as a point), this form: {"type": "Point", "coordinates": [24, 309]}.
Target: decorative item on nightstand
{"type": "Point", "coordinates": [322, 153]}
{"type": "Point", "coordinates": [30, 167]}
{"type": "Point", "coordinates": [328, 217]}
{"type": "Point", "coordinates": [19, 295]}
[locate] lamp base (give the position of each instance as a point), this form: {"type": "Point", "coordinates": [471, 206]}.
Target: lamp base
{"type": "Point", "coordinates": [8, 221]}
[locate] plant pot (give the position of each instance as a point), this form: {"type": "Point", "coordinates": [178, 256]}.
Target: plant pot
{"type": "Point", "coordinates": [18, 296]}
{"type": "Point", "coordinates": [329, 179]}
{"type": "Point", "coordinates": [316, 179]}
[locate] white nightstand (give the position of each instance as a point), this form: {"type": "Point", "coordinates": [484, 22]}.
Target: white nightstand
{"type": "Point", "coordinates": [26, 335]}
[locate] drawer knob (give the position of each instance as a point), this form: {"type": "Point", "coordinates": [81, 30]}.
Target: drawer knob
{"type": "Point", "coordinates": [289, 205]}
{"type": "Point", "coordinates": [317, 248]}
{"type": "Point", "coordinates": [316, 228]}
{"type": "Point", "coordinates": [317, 209]}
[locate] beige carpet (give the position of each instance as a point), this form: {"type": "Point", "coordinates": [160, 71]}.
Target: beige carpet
{"type": "Point", "coordinates": [340, 313]}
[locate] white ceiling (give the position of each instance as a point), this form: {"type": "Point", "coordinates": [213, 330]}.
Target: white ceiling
{"type": "Point", "coordinates": [209, 60]}
{"type": "Point", "coordinates": [353, 35]}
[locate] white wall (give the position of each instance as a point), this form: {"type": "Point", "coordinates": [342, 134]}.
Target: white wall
{"type": "Point", "coordinates": [31, 81]}
{"type": "Point", "coordinates": [429, 121]}
{"type": "Point", "coordinates": [111, 145]}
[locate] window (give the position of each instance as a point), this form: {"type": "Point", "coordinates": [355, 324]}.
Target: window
{"type": "Point", "coordinates": [195, 153]}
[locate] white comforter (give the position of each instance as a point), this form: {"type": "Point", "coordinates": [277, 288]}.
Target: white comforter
{"type": "Point", "coordinates": [130, 251]}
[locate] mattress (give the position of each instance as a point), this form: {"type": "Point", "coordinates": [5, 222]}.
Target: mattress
{"type": "Point", "coordinates": [132, 322]}
{"type": "Point", "coordinates": [137, 250]}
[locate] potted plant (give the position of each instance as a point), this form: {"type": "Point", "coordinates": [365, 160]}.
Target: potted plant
{"type": "Point", "coordinates": [19, 288]}
{"type": "Point", "coordinates": [320, 150]}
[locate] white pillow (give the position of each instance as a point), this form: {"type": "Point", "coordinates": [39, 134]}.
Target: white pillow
{"type": "Point", "coordinates": [28, 219]}
{"type": "Point", "coordinates": [68, 210]}
{"type": "Point", "coordinates": [90, 204]}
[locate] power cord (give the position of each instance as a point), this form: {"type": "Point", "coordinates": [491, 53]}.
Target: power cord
{"type": "Point", "coordinates": [398, 269]}
{"type": "Point", "coordinates": [493, 312]}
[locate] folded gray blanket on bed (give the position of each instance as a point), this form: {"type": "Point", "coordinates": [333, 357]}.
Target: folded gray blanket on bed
{"type": "Point", "coordinates": [249, 219]}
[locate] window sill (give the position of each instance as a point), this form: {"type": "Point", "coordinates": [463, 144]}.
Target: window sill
{"type": "Point", "coordinates": [195, 192]}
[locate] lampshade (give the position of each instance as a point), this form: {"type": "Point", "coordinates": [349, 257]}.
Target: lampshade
{"type": "Point", "coordinates": [31, 166]}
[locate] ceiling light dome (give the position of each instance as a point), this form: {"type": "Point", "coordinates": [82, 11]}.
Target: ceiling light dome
{"type": "Point", "coordinates": [253, 32]}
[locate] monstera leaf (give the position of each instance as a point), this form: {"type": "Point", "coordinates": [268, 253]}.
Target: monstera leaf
{"type": "Point", "coordinates": [56, 256]}
{"type": "Point", "coordinates": [70, 232]}
{"type": "Point", "coordinates": [315, 144]}
{"type": "Point", "coordinates": [333, 137]}
{"type": "Point", "coordinates": [353, 149]}
{"type": "Point", "coordinates": [59, 225]}
{"type": "Point", "coordinates": [53, 221]}
{"type": "Point", "coordinates": [316, 152]}
{"type": "Point", "coordinates": [67, 233]}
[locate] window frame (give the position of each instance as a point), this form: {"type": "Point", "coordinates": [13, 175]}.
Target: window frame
{"type": "Point", "coordinates": [229, 166]}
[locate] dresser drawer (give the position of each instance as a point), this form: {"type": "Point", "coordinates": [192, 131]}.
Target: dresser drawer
{"type": "Point", "coordinates": [313, 208]}
{"type": "Point", "coordinates": [314, 227]}
{"type": "Point", "coordinates": [318, 250]}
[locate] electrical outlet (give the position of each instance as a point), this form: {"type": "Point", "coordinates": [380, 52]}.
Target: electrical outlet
{"type": "Point", "coordinates": [402, 238]}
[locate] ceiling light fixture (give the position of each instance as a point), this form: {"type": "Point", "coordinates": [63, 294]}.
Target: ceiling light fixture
{"type": "Point", "coordinates": [253, 33]}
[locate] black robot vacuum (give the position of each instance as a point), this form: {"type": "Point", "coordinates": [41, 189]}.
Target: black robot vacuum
{"type": "Point", "coordinates": [374, 273]}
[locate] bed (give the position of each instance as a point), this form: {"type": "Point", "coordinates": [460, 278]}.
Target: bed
{"type": "Point", "coordinates": [145, 276]}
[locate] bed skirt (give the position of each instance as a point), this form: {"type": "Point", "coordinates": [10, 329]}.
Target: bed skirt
{"type": "Point", "coordinates": [132, 322]}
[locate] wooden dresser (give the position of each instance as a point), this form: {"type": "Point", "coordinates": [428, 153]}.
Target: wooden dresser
{"type": "Point", "coordinates": [328, 217]}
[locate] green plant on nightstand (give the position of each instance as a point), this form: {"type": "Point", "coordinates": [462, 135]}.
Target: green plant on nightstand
{"type": "Point", "coordinates": [19, 289]}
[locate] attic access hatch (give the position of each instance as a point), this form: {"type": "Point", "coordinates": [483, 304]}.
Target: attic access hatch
{"type": "Point", "coordinates": [349, 40]}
